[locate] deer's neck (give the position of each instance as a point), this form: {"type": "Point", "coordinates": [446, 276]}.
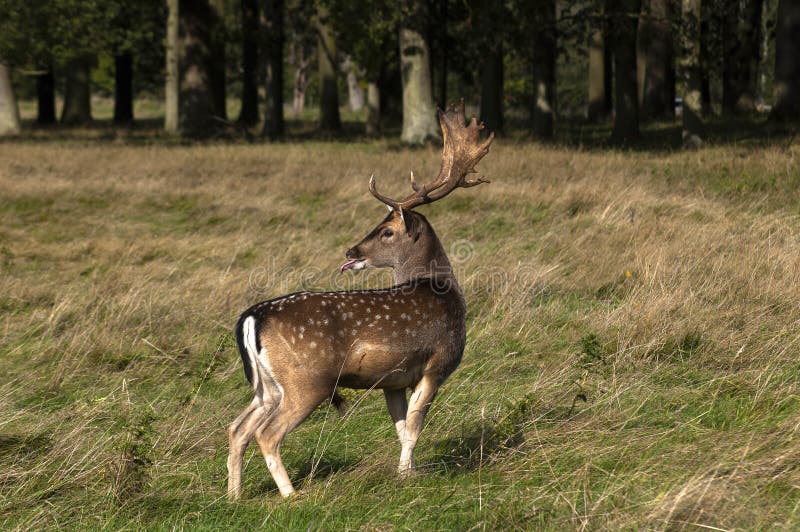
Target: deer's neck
{"type": "Point", "coordinates": [429, 261]}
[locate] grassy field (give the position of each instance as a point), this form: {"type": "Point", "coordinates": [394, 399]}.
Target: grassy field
{"type": "Point", "coordinates": [632, 357]}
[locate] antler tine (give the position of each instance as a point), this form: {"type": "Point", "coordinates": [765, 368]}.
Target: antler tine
{"type": "Point", "coordinates": [462, 150]}
{"type": "Point", "coordinates": [414, 184]}
{"type": "Point", "coordinates": [385, 199]}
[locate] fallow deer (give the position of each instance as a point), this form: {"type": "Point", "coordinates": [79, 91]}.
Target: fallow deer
{"type": "Point", "coordinates": [298, 349]}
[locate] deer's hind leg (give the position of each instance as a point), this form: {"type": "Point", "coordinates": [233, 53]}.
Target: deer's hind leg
{"type": "Point", "coordinates": [293, 410]}
{"type": "Point", "coordinates": [240, 432]}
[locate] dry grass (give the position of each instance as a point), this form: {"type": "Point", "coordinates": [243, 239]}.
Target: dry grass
{"type": "Point", "coordinates": [632, 355]}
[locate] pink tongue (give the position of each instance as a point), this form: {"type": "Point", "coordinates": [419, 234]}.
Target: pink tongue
{"type": "Point", "coordinates": [347, 265]}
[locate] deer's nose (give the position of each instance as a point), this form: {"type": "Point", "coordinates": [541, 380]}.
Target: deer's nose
{"type": "Point", "coordinates": [350, 253]}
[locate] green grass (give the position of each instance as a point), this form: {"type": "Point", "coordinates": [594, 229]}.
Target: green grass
{"type": "Point", "coordinates": [631, 359]}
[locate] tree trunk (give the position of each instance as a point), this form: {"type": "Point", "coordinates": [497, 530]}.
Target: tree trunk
{"type": "Point", "coordinates": [46, 98]}
{"type": "Point", "coordinates": [491, 111]}
{"type": "Point", "coordinates": [329, 90]}
{"type": "Point", "coordinates": [172, 78]}
{"type": "Point", "coordinates": [624, 20]}
{"type": "Point", "coordinates": [658, 78]}
{"type": "Point", "coordinates": [690, 73]}
{"type": "Point", "coordinates": [730, 57]}
{"type": "Point", "coordinates": [749, 57]}
{"type": "Point", "coordinates": [77, 95]}
{"type": "Point", "coordinates": [599, 71]}
{"type": "Point", "coordinates": [123, 88]}
{"type": "Point", "coordinates": [9, 112]}
{"type": "Point", "coordinates": [419, 117]}
{"type": "Point", "coordinates": [355, 94]}
{"type": "Point", "coordinates": [373, 125]}
{"type": "Point", "coordinates": [274, 125]}
{"type": "Point", "coordinates": [705, 62]}
{"type": "Point", "coordinates": [443, 55]}
{"type": "Point", "coordinates": [300, 79]}
{"type": "Point", "coordinates": [199, 104]}
{"type": "Point", "coordinates": [217, 34]}
{"type": "Point", "coordinates": [786, 106]}
{"type": "Point", "coordinates": [544, 71]}
{"type": "Point", "coordinates": [248, 115]}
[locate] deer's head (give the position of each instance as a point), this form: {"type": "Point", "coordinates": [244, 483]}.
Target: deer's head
{"type": "Point", "coordinates": [404, 240]}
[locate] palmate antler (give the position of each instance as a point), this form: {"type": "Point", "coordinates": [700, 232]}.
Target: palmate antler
{"type": "Point", "coordinates": [462, 150]}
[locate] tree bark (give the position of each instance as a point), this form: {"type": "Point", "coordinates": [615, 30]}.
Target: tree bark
{"type": "Point", "coordinates": [419, 117]}
{"type": "Point", "coordinates": [691, 74]}
{"type": "Point", "coordinates": [274, 124]}
{"type": "Point", "coordinates": [77, 94]}
{"type": "Point", "coordinates": [199, 96]}
{"type": "Point", "coordinates": [658, 77]}
{"type": "Point", "coordinates": [749, 56]}
{"type": "Point", "coordinates": [123, 88]}
{"type": "Point", "coordinates": [218, 38]}
{"type": "Point", "coordinates": [373, 125]}
{"type": "Point", "coordinates": [172, 78]}
{"type": "Point", "coordinates": [46, 98]}
{"type": "Point", "coordinates": [624, 20]}
{"type": "Point", "coordinates": [491, 111]}
{"type": "Point", "coordinates": [786, 106]}
{"type": "Point", "coordinates": [300, 63]}
{"type": "Point", "coordinates": [599, 71]}
{"type": "Point", "coordinates": [443, 55]}
{"type": "Point", "coordinates": [544, 71]}
{"type": "Point", "coordinates": [355, 94]}
{"type": "Point", "coordinates": [9, 112]}
{"type": "Point", "coordinates": [248, 115]}
{"type": "Point", "coordinates": [329, 90]}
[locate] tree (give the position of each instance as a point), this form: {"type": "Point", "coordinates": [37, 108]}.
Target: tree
{"type": "Point", "coordinates": [544, 70]}
{"type": "Point", "coordinates": [786, 106]}
{"type": "Point", "coordinates": [623, 18]}
{"type": "Point", "coordinates": [172, 83]}
{"type": "Point", "coordinates": [46, 97]}
{"type": "Point", "coordinates": [77, 93]}
{"type": "Point", "coordinates": [327, 61]}
{"type": "Point", "coordinates": [248, 115]}
{"type": "Point", "coordinates": [491, 110]}
{"type": "Point", "coordinates": [600, 70]}
{"type": "Point", "coordinates": [199, 105]}
{"type": "Point", "coordinates": [9, 112]}
{"type": "Point", "coordinates": [690, 72]}
{"type": "Point", "coordinates": [741, 56]}
{"type": "Point", "coordinates": [367, 32]}
{"type": "Point", "coordinates": [274, 125]}
{"type": "Point", "coordinates": [658, 72]}
{"type": "Point", "coordinates": [419, 117]}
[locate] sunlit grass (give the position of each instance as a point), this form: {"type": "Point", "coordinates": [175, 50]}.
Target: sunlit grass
{"type": "Point", "coordinates": [632, 357]}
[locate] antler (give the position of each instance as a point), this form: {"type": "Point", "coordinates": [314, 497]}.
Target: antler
{"type": "Point", "coordinates": [462, 150]}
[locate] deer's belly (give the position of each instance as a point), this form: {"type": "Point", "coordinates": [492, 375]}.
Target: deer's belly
{"type": "Point", "coordinates": [383, 366]}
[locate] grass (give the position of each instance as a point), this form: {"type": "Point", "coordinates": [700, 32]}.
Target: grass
{"type": "Point", "coordinates": [632, 356]}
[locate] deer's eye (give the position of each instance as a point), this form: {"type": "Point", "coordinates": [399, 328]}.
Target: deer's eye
{"type": "Point", "coordinates": [388, 233]}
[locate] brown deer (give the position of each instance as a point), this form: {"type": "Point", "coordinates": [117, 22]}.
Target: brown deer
{"type": "Point", "coordinates": [298, 349]}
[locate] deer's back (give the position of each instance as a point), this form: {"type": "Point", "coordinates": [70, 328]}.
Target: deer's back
{"type": "Point", "coordinates": [384, 338]}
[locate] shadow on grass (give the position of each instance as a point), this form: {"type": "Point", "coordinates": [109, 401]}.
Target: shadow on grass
{"type": "Point", "coordinates": [489, 439]}
{"type": "Point", "coordinates": [310, 469]}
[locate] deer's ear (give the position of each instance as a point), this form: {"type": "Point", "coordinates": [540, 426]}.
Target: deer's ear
{"type": "Point", "coordinates": [413, 226]}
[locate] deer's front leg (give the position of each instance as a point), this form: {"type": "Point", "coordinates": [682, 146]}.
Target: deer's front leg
{"type": "Point", "coordinates": [418, 406]}
{"type": "Point", "coordinates": [398, 407]}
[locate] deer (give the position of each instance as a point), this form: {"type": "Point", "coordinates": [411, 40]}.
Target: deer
{"type": "Point", "coordinates": [298, 349]}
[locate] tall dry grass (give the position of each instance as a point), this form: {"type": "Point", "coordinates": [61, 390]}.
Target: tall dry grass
{"type": "Point", "coordinates": [632, 354]}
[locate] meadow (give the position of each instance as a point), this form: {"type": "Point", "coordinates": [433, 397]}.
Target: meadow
{"type": "Point", "coordinates": [632, 356]}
